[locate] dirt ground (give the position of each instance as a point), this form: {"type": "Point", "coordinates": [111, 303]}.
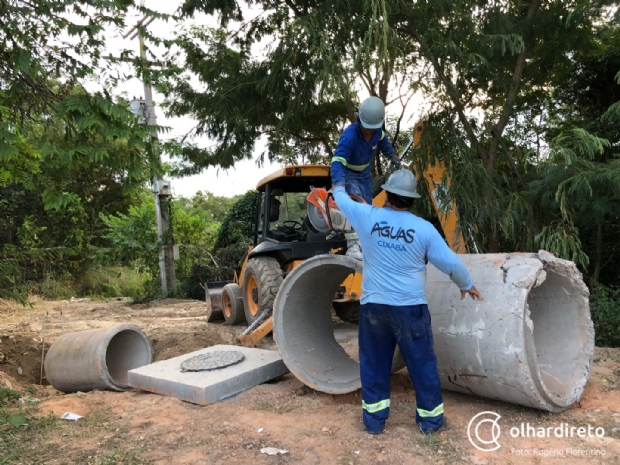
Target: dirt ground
{"type": "Point", "coordinates": [315, 428]}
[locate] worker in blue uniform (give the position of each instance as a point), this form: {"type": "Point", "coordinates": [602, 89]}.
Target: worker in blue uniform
{"type": "Point", "coordinates": [394, 308]}
{"type": "Point", "coordinates": [351, 161]}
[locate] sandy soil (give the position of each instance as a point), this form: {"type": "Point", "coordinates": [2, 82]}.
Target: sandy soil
{"type": "Point", "coordinates": [138, 427]}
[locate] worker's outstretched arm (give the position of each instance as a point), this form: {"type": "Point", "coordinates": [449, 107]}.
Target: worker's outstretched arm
{"type": "Point", "coordinates": [353, 211]}
{"type": "Point", "coordinates": [440, 255]}
{"type": "Point", "coordinates": [341, 157]}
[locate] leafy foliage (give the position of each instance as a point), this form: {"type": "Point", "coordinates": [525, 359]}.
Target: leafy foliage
{"type": "Point", "coordinates": [231, 243]}
{"type": "Point", "coordinates": [216, 208]}
{"type": "Point", "coordinates": [488, 70]}
{"type": "Point", "coordinates": [238, 226]}
{"type": "Point", "coordinates": [605, 309]}
{"type": "Point", "coordinates": [66, 154]}
{"type": "Point", "coordinates": [133, 243]}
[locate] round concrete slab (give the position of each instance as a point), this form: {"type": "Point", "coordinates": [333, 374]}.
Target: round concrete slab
{"type": "Point", "coordinates": [212, 361]}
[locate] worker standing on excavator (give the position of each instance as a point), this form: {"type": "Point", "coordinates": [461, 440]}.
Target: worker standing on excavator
{"type": "Point", "coordinates": [394, 309]}
{"type": "Point", "coordinates": [351, 162]}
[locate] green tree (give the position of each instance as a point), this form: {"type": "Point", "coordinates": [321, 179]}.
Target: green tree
{"type": "Point", "coordinates": [66, 154]}
{"type": "Point", "coordinates": [47, 49]}
{"type": "Point", "coordinates": [587, 182]}
{"type": "Point", "coordinates": [214, 206]}
{"type": "Point", "coordinates": [238, 226]}
{"type": "Point", "coordinates": [297, 94]}
{"type": "Point", "coordinates": [49, 218]}
{"type": "Point", "coordinates": [133, 243]}
{"type": "Point", "coordinates": [483, 67]}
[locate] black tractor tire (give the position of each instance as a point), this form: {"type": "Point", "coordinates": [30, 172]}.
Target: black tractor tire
{"type": "Point", "coordinates": [261, 281]}
{"type": "Point", "coordinates": [232, 304]}
{"type": "Point", "coordinates": [349, 312]}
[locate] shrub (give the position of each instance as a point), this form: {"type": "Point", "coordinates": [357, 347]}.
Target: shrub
{"type": "Point", "coordinates": [238, 226]}
{"type": "Point", "coordinates": [605, 309]}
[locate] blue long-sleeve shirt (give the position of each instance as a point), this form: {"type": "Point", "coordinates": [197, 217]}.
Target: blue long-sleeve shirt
{"type": "Point", "coordinates": [394, 245]}
{"type": "Point", "coordinates": [353, 154]}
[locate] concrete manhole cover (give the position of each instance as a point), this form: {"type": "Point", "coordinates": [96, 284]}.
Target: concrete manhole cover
{"type": "Point", "coordinates": [212, 360]}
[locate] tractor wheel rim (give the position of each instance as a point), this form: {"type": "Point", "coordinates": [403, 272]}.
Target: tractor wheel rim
{"type": "Point", "coordinates": [250, 293]}
{"type": "Point", "coordinates": [227, 305]}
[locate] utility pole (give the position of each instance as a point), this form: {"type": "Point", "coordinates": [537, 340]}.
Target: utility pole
{"type": "Point", "coordinates": [161, 188]}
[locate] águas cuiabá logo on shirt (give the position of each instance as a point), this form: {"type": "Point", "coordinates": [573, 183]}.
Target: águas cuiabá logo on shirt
{"type": "Point", "coordinates": [398, 234]}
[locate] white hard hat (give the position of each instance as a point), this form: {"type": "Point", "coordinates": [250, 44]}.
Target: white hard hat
{"type": "Point", "coordinates": [403, 183]}
{"type": "Point", "coordinates": [372, 113]}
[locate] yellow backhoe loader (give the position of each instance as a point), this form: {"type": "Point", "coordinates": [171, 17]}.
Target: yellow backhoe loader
{"type": "Point", "coordinates": [287, 231]}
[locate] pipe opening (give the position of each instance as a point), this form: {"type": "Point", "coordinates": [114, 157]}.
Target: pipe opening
{"type": "Point", "coordinates": [308, 338]}
{"type": "Point", "coordinates": [309, 331]}
{"type": "Point", "coordinates": [559, 336]}
{"type": "Point", "coordinates": [126, 350]}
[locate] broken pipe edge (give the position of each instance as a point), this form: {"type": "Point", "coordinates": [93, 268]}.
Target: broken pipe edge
{"type": "Point", "coordinates": [553, 400]}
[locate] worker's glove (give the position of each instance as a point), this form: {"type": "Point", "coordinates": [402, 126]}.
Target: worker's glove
{"type": "Point", "coordinates": [396, 162]}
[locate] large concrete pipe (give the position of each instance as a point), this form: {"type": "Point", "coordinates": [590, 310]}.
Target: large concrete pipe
{"type": "Point", "coordinates": [97, 358]}
{"type": "Point", "coordinates": [304, 330]}
{"type": "Point", "coordinates": [530, 342]}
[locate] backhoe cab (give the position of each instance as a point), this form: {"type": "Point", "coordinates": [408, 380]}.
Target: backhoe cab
{"type": "Point", "coordinates": [284, 236]}
{"type": "Point", "coordinates": [283, 230]}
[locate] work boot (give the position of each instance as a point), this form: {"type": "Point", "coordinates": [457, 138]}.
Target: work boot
{"type": "Point", "coordinates": [354, 249]}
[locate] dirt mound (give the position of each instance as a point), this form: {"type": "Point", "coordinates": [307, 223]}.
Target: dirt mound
{"type": "Point", "coordinates": [168, 345]}
{"type": "Point", "coordinates": [8, 382]}
{"type": "Point", "coordinates": [20, 358]}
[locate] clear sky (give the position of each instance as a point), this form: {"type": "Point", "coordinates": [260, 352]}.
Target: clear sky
{"type": "Point", "coordinates": [246, 174]}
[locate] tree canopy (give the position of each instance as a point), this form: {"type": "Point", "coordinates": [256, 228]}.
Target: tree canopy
{"type": "Point", "coordinates": [496, 78]}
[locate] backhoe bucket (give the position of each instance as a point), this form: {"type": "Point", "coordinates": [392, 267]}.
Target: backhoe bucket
{"type": "Point", "coordinates": [213, 297]}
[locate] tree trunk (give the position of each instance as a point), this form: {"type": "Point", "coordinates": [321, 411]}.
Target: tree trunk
{"type": "Point", "coordinates": [599, 251]}
{"type": "Point", "coordinates": [350, 106]}
{"type": "Point", "coordinates": [493, 246]}
{"type": "Point", "coordinates": [491, 228]}
{"type": "Point", "coordinates": [376, 165]}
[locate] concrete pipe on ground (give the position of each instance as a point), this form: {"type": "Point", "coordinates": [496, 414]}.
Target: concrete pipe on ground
{"type": "Point", "coordinates": [97, 358]}
{"type": "Point", "coordinates": [303, 327]}
{"type": "Point", "coordinates": [530, 342]}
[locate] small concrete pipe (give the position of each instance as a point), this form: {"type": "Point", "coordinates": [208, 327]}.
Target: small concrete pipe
{"type": "Point", "coordinates": [530, 342]}
{"type": "Point", "coordinates": [97, 358]}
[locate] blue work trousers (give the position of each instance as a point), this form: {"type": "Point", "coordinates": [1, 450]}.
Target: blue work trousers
{"type": "Point", "coordinates": [381, 327]}
{"type": "Point", "coordinates": [359, 184]}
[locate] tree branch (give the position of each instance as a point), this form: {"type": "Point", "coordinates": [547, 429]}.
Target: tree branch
{"type": "Point", "coordinates": [348, 102]}
{"type": "Point", "coordinates": [410, 29]}
{"type": "Point", "coordinates": [513, 164]}
{"type": "Point", "coordinates": [497, 131]}
{"type": "Point", "coordinates": [290, 4]}
{"type": "Point", "coordinates": [402, 114]}
{"type": "Point", "coordinates": [367, 81]}
{"type": "Point", "coordinates": [327, 147]}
